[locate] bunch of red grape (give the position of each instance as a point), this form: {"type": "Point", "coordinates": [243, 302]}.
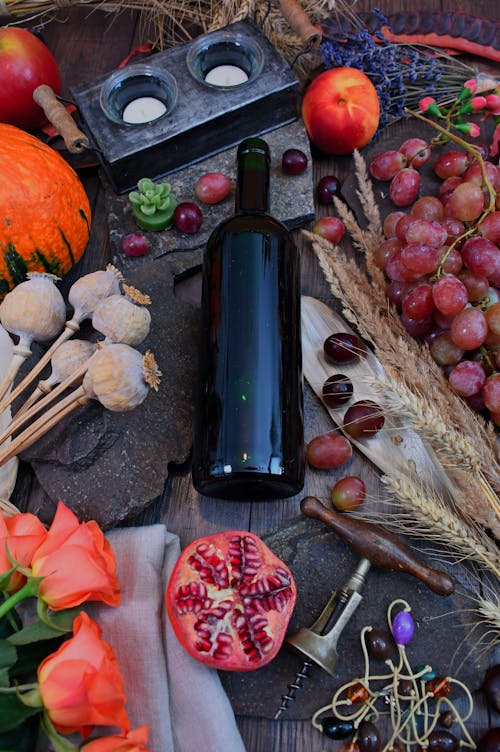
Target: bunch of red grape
{"type": "Point", "coordinates": [442, 261]}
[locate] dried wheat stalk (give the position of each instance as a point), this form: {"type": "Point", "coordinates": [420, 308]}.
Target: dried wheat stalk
{"type": "Point", "coordinates": [428, 516]}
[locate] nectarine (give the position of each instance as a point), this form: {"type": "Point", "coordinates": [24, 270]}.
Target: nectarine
{"type": "Point", "coordinates": [341, 110]}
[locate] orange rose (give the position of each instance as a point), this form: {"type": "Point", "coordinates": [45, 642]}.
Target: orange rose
{"type": "Point", "coordinates": [20, 535]}
{"type": "Point", "coordinates": [81, 685]}
{"type": "Point", "coordinates": [77, 563]}
{"type": "Point", "coordinates": [134, 741]}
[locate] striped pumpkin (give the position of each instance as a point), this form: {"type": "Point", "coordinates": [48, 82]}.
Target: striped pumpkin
{"type": "Point", "coordinates": [44, 210]}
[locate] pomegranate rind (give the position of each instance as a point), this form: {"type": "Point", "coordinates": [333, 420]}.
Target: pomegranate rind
{"type": "Point", "coordinates": [232, 616]}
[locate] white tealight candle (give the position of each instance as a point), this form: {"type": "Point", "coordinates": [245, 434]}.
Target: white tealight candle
{"type": "Point", "coordinates": [143, 110]}
{"type": "Point", "coordinates": [226, 75]}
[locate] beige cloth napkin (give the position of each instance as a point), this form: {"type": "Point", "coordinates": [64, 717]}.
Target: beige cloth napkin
{"type": "Point", "coordinates": [182, 700]}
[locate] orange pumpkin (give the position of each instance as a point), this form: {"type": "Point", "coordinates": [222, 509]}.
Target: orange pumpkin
{"type": "Point", "coordinates": [44, 210]}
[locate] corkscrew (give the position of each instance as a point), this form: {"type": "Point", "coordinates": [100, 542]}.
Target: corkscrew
{"type": "Point", "coordinates": [375, 545]}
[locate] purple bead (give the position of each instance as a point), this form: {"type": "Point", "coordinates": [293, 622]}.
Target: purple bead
{"type": "Point", "coordinates": [403, 627]}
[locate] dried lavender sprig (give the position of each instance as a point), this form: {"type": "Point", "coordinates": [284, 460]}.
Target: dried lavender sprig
{"type": "Point", "coordinates": [396, 70]}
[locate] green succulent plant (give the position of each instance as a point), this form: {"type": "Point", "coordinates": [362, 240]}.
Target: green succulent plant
{"type": "Point", "coordinates": [153, 204]}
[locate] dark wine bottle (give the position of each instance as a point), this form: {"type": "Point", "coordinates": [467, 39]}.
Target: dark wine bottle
{"type": "Point", "coordinates": [249, 419]}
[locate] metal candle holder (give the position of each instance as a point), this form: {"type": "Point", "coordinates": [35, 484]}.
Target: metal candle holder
{"type": "Point", "coordinates": [200, 118]}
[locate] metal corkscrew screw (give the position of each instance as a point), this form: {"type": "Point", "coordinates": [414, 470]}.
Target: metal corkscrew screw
{"type": "Point", "coordinates": [319, 642]}
{"type": "Point", "coordinates": [376, 546]}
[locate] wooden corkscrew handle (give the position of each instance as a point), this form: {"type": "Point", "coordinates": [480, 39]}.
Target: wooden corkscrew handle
{"type": "Point", "coordinates": [377, 545]}
{"type": "Point", "coordinates": [55, 112]}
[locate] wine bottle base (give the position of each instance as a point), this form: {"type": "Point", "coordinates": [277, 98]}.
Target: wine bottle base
{"type": "Point", "coordinates": [249, 488]}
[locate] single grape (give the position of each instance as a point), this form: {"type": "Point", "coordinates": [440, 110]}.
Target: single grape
{"type": "Point", "coordinates": [450, 295]}
{"type": "Point", "coordinates": [390, 223]}
{"type": "Point", "coordinates": [451, 163]}
{"type": "Point", "coordinates": [477, 286]}
{"type": "Point", "coordinates": [188, 217]}
{"type": "Point", "coordinates": [428, 207]}
{"type": "Point", "coordinates": [396, 291]}
{"type": "Point", "coordinates": [363, 419]}
{"type": "Point", "coordinates": [467, 378]}
{"type": "Point", "coordinates": [421, 258]}
{"type": "Point", "coordinates": [469, 329]}
{"type": "Point", "coordinates": [385, 251]}
{"type": "Point", "coordinates": [417, 327]}
{"type": "Point", "coordinates": [453, 227]}
{"type": "Point", "coordinates": [331, 228]}
{"type": "Point", "coordinates": [453, 262]}
{"type": "Point", "coordinates": [328, 187]}
{"type": "Point", "coordinates": [386, 164]}
{"type": "Point", "coordinates": [416, 151]}
{"type": "Point", "coordinates": [426, 231]}
{"type": "Point", "coordinates": [418, 303]}
{"type": "Point", "coordinates": [492, 315]}
{"type": "Point", "coordinates": [465, 203]}
{"type": "Point", "coordinates": [481, 256]}
{"type": "Point", "coordinates": [343, 347]}
{"type": "Point", "coordinates": [444, 351]}
{"type": "Point", "coordinates": [490, 227]}
{"type": "Point", "coordinates": [403, 225]}
{"type": "Point", "coordinates": [337, 390]}
{"type": "Point", "coordinates": [404, 186]}
{"type": "Point", "coordinates": [212, 187]}
{"type": "Point", "coordinates": [135, 244]}
{"type": "Point", "coordinates": [348, 493]}
{"type": "Point", "coordinates": [397, 270]}
{"type": "Point", "coordinates": [491, 393]}
{"type": "Point", "coordinates": [328, 451]}
{"type": "Point", "coordinates": [474, 174]}
{"type": "Point", "coordinates": [293, 162]}
{"type": "Point", "coordinates": [448, 186]}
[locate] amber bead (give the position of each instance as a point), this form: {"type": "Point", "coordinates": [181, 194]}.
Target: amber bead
{"type": "Point", "coordinates": [377, 644]}
{"type": "Point", "coordinates": [368, 737]}
{"type": "Point", "coordinates": [349, 747]}
{"type": "Point", "coordinates": [357, 694]}
{"type": "Point", "coordinates": [440, 687]}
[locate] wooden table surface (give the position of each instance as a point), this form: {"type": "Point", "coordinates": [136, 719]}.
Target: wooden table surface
{"type": "Point", "coordinates": [87, 43]}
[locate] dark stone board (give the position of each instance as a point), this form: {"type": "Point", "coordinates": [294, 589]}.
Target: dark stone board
{"type": "Point", "coordinates": [321, 563]}
{"type": "Point", "coordinates": [109, 466]}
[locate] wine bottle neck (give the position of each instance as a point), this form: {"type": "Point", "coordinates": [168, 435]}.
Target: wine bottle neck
{"type": "Point", "coordinates": [252, 187]}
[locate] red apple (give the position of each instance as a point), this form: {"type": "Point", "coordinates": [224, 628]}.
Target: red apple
{"type": "Point", "coordinates": [331, 228]}
{"type": "Point", "coordinates": [341, 110]}
{"type": "Point", "coordinates": [25, 63]}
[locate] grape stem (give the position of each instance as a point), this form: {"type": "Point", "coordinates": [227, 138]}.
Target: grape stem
{"type": "Point", "coordinates": [474, 151]}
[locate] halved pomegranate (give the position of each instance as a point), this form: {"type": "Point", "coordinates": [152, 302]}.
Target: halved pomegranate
{"type": "Point", "coordinates": [230, 599]}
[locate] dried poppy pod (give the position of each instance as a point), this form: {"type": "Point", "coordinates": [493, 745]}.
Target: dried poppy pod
{"type": "Point", "coordinates": [84, 295]}
{"type": "Point", "coordinates": [118, 376]}
{"type": "Point", "coordinates": [123, 318]}
{"type": "Point", "coordinates": [88, 291]}
{"type": "Point", "coordinates": [68, 358]}
{"type": "Point", "coordinates": [34, 310]}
